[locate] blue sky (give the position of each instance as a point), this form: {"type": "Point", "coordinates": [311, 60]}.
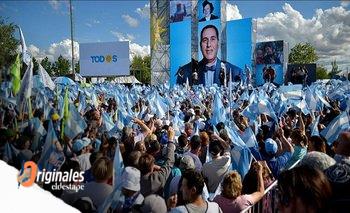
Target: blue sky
{"type": "Point", "coordinates": [46, 23]}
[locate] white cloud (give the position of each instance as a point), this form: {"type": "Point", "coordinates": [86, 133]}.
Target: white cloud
{"type": "Point", "coordinates": [63, 48]}
{"type": "Point", "coordinates": [232, 12]}
{"type": "Point", "coordinates": [132, 22]}
{"type": "Point", "coordinates": [328, 31]}
{"type": "Point", "coordinates": [92, 23]}
{"type": "Point", "coordinates": [123, 37]}
{"type": "Point", "coordinates": [345, 3]}
{"type": "Point", "coordinates": [144, 12]}
{"type": "Point", "coordinates": [136, 49]}
{"type": "Point", "coordinates": [55, 4]}
{"type": "Point", "coordinates": [55, 50]}
{"type": "Point", "coordinates": [35, 52]}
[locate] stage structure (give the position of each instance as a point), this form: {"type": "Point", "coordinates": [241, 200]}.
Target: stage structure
{"type": "Point", "coordinates": [159, 41]}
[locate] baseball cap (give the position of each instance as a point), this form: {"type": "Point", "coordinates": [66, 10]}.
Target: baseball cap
{"type": "Point", "coordinates": [79, 145]}
{"type": "Point", "coordinates": [131, 179]}
{"type": "Point", "coordinates": [270, 146]}
{"type": "Point", "coordinates": [186, 162]}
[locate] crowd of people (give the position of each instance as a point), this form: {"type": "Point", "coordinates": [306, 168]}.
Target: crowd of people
{"type": "Point", "coordinates": [184, 149]}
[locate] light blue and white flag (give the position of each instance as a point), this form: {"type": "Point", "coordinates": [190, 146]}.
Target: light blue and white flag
{"type": "Point", "coordinates": [116, 196]}
{"type": "Point", "coordinates": [107, 121]}
{"type": "Point", "coordinates": [219, 114]}
{"type": "Point", "coordinates": [75, 124]}
{"type": "Point", "coordinates": [46, 79]}
{"type": "Point", "coordinates": [26, 88]}
{"type": "Point", "coordinates": [314, 127]}
{"type": "Point", "coordinates": [335, 127]}
{"type": "Point", "coordinates": [48, 159]}
{"type": "Point", "coordinates": [249, 138]}
{"type": "Point", "coordinates": [26, 58]}
{"type": "Point", "coordinates": [241, 159]}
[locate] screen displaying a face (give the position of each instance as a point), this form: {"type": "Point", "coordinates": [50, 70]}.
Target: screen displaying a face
{"type": "Point", "coordinates": [269, 52]}
{"type": "Point", "coordinates": [209, 10]}
{"type": "Point", "coordinates": [209, 40]}
{"type": "Point", "coordinates": [301, 73]}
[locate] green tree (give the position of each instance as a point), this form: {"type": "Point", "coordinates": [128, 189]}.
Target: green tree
{"type": "Point", "coordinates": [321, 73]}
{"type": "Point", "coordinates": [141, 68]}
{"type": "Point", "coordinates": [335, 70]}
{"type": "Point", "coordinates": [303, 53]}
{"type": "Point", "coordinates": [8, 44]}
{"type": "Point", "coordinates": [35, 66]}
{"type": "Point", "coordinates": [77, 67]}
{"type": "Point", "coordinates": [61, 67]}
{"type": "Point", "coordinates": [47, 65]}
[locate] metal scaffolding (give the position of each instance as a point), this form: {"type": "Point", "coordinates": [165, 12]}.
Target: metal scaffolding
{"type": "Point", "coordinates": [160, 66]}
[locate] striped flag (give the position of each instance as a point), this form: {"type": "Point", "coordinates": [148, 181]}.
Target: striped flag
{"type": "Point", "coordinates": [49, 147]}
{"type": "Point", "coordinates": [75, 124]}
{"type": "Point", "coordinates": [26, 88]}
{"type": "Point", "coordinates": [115, 197]}
{"type": "Point", "coordinates": [335, 127]}
{"type": "Point", "coordinates": [26, 58]}
{"type": "Point", "coordinates": [219, 114]}
{"type": "Point", "coordinates": [249, 138]}
{"type": "Point", "coordinates": [314, 127]}
{"type": "Point", "coordinates": [107, 121]}
{"type": "Point", "coordinates": [46, 79]}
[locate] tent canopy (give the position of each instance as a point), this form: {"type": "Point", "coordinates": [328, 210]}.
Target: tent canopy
{"type": "Point", "coordinates": [126, 80]}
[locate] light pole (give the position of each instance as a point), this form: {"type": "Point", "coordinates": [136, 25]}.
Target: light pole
{"type": "Point", "coordinates": [71, 33]}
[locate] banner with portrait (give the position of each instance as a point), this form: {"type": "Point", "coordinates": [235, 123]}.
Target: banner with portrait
{"type": "Point", "coordinates": [208, 10]}
{"type": "Point", "coordinates": [180, 10]}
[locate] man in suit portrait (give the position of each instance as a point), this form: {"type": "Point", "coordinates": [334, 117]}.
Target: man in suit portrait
{"type": "Point", "coordinates": [208, 9]}
{"type": "Point", "coordinates": [211, 70]}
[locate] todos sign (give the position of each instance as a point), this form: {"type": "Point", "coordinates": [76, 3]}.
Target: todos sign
{"type": "Point", "coordinates": [104, 59]}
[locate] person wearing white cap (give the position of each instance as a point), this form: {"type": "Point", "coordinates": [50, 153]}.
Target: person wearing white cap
{"type": "Point", "coordinates": [80, 149]}
{"type": "Point", "coordinates": [130, 189]}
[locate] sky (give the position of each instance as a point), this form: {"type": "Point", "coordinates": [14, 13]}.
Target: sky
{"type": "Point", "coordinates": [46, 24]}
